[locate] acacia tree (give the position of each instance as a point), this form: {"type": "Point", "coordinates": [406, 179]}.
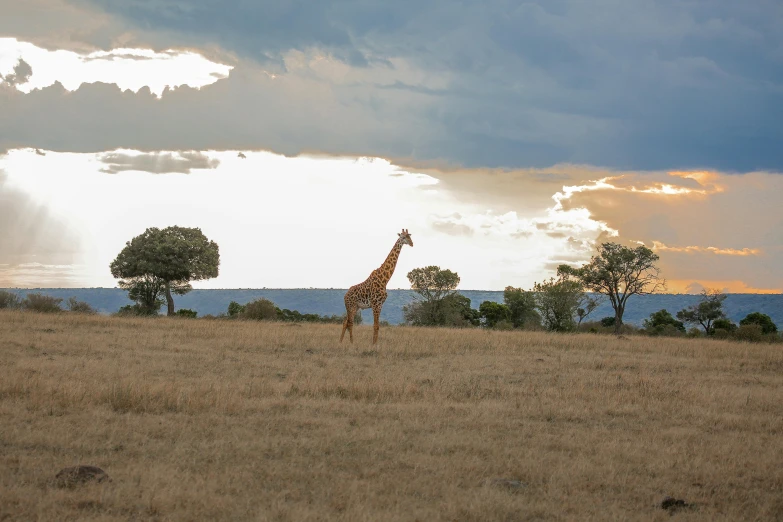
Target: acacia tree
{"type": "Point", "coordinates": [708, 309]}
{"type": "Point", "coordinates": [164, 262]}
{"type": "Point", "coordinates": [435, 289]}
{"type": "Point", "coordinates": [619, 272]}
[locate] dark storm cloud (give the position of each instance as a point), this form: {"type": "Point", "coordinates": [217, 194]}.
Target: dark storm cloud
{"type": "Point", "coordinates": [630, 85]}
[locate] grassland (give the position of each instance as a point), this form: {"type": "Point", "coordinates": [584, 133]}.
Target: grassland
{"type": "Point", "coordinates": [221, 420]}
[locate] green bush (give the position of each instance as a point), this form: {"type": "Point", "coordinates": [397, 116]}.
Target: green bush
{"type": "Point", "coordinates": [81, 307]}
{"type": "Point", "coordinates": [762, 320]}
{"type": "Point", "coordinates": [42, 303]}
{"type": "Point", "coordinates": [260, 310]}
{"type": "Point", "coordinates": [724, 324]}
{"type": "Point", "coordinates": [187, 313]}
{"type": "Point", "coordinates": [9, 300]}
{"type": "Point", "coordinates": [751, 333]}
{"type": "Point", "coordinates": [663, 323]}
{"type": "Point", "coordinates": [135, 310]}
{"type": "Point", "coordinates": [608, 322]}
{"type": "Point", "coordinates": [694, 332]}
{"type": "Point", "coordinates": [235, 309]}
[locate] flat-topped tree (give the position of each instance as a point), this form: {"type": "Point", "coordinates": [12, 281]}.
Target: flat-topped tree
{"type": "Point", "coordinates": [165, 262]}
{"type": "Point", "coordinates": [619, 272]}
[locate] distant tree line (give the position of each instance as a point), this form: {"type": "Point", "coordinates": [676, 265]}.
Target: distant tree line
{"type": "Point", "coordinates": [563, 303]}
{"type": "Point", "coordinates": [161, 263]}
{"type": "Point", "coordinates": [36, 302]}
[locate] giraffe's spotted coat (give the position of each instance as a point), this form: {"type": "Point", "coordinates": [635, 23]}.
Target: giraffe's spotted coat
{"type": "Point", "coordinates": [371, 293]}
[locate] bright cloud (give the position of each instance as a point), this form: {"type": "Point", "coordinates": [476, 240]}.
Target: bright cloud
{"type": "Point", "coordinates": [128, 68]}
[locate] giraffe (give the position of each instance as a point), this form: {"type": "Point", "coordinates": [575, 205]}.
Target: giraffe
{"type": "Point", "coordinates": [372, 292]}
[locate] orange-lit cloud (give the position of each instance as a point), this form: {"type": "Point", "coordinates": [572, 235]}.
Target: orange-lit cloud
{"type": "Point", "coordinates": [658, 246]}
{"type": "Point", "coordinates": [708, 227]}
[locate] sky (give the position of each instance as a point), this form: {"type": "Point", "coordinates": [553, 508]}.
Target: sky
{"type": "Point", "coordinates": [507, 137]}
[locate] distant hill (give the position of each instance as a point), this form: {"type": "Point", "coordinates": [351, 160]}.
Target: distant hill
{"type": "Point", "coordinates": [330, 301]}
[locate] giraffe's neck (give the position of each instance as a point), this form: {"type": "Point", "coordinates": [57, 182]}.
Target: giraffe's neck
{"type": "Point", "coordinates": [387, 268]}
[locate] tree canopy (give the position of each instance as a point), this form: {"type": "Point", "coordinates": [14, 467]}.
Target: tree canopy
{"type": "Point", "coordinates": [522, 305]}
{"type": "Point", "coordinates": [619, 272]}
{"type": "Point", "coordinates": [763, 320]}
{"type": "Point", "coordinates": [706, 311]}
{"type": "Point", "coordinates": [165, 261]}
{"type": "Point", "coordinates": [494, 313]}
{"type": "Point", "coordinates": [662, 322]}
{"type": "Point", "coordinates": [558, 301]}
{"type": "Point", "coordinates": [432, 283]}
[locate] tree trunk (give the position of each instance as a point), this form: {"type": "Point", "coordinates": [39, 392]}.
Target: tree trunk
{"type": "Point", "coordinates": [169, 300]}
{"type": "Point", "coordinates": [618, 320]}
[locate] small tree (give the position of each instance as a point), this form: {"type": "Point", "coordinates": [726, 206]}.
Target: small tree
{"type": "Point", "coordinates": [619, 272]}
{"type": "Point", "coordinates": [493, 313]}
{"type": "Point", "coordinates": [708, 309]}
{"type": "Point", "coordinates": [458, 313]}
{"type": "Point", "coordinates": [81, 307]}
{"type": "Point", "coordinates": [453, 310]}
{"type": "Point", "coordinates": [42, 303]}
{"type": "Point", "coordinates": [763, 320]}
{"type": "Point", "coordinates": [260, 310]}
{"type": "Point", "coordinates": [557, 301]}
{"type": "Point", "coordinates": [235, 309]}
{"type": "Point", "coordinates": [9, 300]}
{"type": "Point", "coordinates": [434, 286]}
{"type": "Point", "coordinates": [170, 258]}
{"type": "Point", "coordinates": [662, 322]}
{"type": "Point", "coordinates": [522, 305]}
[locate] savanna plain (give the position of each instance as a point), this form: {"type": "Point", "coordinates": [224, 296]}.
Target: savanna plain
{"type": "Point", "coordinates": [234, 420]}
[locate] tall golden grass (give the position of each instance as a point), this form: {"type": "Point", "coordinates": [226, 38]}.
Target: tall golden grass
{"type": "Point", "coordinates": [226, 420]}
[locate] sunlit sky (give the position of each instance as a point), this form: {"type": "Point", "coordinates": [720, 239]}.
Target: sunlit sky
{"type": "Point", "coordinates": [303, 152]}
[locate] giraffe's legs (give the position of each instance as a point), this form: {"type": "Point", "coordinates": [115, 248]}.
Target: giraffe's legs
{"type": "Point", "coordinates": [376, 315]}
{"type": "Point", "coordinates": [348, 323]}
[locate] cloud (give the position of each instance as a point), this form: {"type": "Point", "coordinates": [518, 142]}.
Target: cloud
{"type": "Point", "coordinates": [660, 247]}
{"type": "Point", "coordinates": [157, 162]}
{"type": "Point", "coordinates": [451, 225]}
{"type": "Point", "coordinates": [643, 86]}
{"type": "Point", "coordinates": [707, 226]}
{"type": "Point", "coordinates": [21, 74]}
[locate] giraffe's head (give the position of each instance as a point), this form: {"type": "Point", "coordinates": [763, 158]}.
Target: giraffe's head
{"type": "Point", "coordinates": [405, 237]}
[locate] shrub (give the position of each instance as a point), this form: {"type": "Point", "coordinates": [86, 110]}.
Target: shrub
{"type": "Point", "coordinates": [9, 300]}
{"type": "Point", "coordinates": [259, 310]}
{"type": "Point", "coordinates": [186, 312]}
{"type": "Point", "coordinates": [724, 324]}
{"type": "Point", "coordinates": [751, 333]}
{"type": "Point", "coordinates": [694, 332]}
{"type": "Point", "coordinates": [81, 307]}
{"type": "Point", "coordinates": [493, 313]}
{"type": "Point", "coordinates": [135, 310]}
{"type": "Point", "coordinates": [607, 322]}
{"type": "Point", "coordinates": [42, 303]}
{"type": "Point", "coordinates": [235, 309]}
{"type": "Point", "coordinates": [663, 323]}
{"type": "Point", "coordinates": [504, 325]}
{"type": "Point", "coordinates": [762, 320]}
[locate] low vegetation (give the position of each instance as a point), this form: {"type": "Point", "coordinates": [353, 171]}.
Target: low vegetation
{"type": "Point", "coordinates": [249, 420]}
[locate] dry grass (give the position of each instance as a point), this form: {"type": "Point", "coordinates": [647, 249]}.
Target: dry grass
{"type": "Point", "coordinates": [220, 420]}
